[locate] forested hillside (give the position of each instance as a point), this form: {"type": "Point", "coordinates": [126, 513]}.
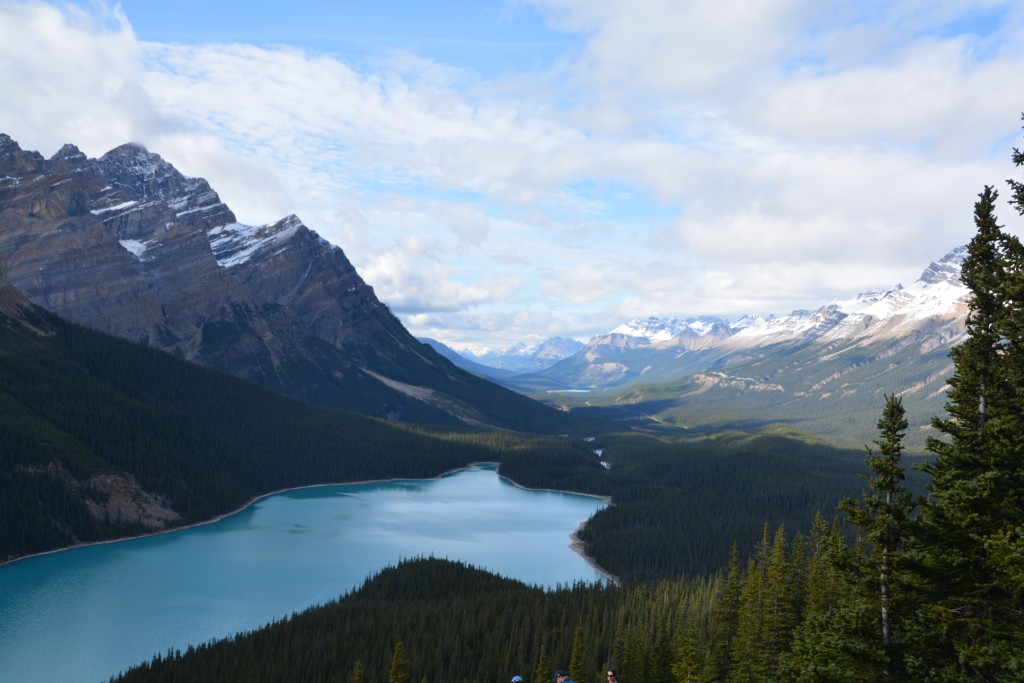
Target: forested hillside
{"type": "Point", "coordinates": [102, 438]}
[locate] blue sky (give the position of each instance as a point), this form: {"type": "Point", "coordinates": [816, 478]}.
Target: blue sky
{"type": "Point", "coordinates": [505, 171]}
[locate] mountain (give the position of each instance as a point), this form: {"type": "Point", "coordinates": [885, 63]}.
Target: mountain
{"type": "Point", "coordinates": [466, 364]}
{"type": "Point", "coordinates": [521, 359]}
{"type": "Point", "coordinates": [128, 245]}
{"type": "Point", "coordinates": [664, 329]}
{"type": "Point", "coordinates": [824, 370]}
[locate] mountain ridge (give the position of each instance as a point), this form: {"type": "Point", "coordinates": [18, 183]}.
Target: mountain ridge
{"type": "Point", "coordinates": [128, 245]}
{"type": "Point", "coordinates": [824, 371]}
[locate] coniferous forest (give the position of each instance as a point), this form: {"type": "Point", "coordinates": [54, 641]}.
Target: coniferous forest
{"type": "Point", "coordinates": [918, 577]}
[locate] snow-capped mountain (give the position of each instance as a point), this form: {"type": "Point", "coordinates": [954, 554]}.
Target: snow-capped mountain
{"type": "Point", "coordinates": [802, 368]}
{"type": "Point", "coordinates": [930, 311]}
{"type": "Point", "coordinates": [937, 296]}
{"type": "Point", "coordinates": [521, 358]}
{"type": "Point", "coordinates": [663, 329]}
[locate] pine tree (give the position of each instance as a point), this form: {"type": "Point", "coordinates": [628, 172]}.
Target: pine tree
{"type": "Point", "coordinates": [578, 659]}
{"type": "Point", "coordinates": [748, 644]}
{"type": "Point", "coordinates": [688, 664]}
{"type": "Point", "coordinates": [1016, 187]}
{"type": "Point", "coordinates": [399, 672]}
{"type": "Point", "coordinates": [883, 521]}
{"type": "Point", "coordinates": [972, 627]}
{"type": "Point", "coordinates": [724, 617]}
{"type": "Point", "coordinates": [543, 672]}
{"type": "Point", "coordinates": [778, 619]}
{"type": "Point", "coordinates": [798, 568]}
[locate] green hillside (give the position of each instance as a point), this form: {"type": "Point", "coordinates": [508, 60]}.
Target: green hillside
{"type": "Point", "coordinates": [87, 418]}
{"type": "Point", "coordinates": [832, 394]}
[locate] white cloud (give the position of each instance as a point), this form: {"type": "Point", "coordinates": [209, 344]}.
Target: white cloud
{"type": "Point", "coordinates": [665, 45]}
{"type": "Point", "coordinates": [71, 76]}
{"type": "Point", "coordinates": [685, 157]}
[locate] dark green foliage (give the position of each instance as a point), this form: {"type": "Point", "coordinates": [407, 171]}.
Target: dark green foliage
{"type": "Point", "coordinates": [78, 403]}
{"type": "Point", "coordinates": [399, 671]}
{"type": "Point", "coordinates": [90, 404]}
{"type": "Point", "coordinates": [883, 521]}
{"type": "Point", "coordinates": [680, 505]}
{"type": "Point", "coordinates": [456, 624]}
{"type": "Point", "coordinates": [971, 624]}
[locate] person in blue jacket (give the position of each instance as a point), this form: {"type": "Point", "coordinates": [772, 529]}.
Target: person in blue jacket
{"type": "Point", "coordinates": [562, 677]}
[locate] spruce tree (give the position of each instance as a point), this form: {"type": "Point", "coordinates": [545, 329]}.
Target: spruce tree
{"type": "Point", "coordinates": [543, 671]}
{"type": "Point", "coordinates": [578, 659]}
{"type": "Point", "coordinates": [972, 625]}
{"type": "Point", "coordinates": [748, 644]}
{"type": "Point", "coordinates": [399, 672]}
{"type": "Point", "coordinates": [724, 617]}
{"type": "Point", "coordinates": [778, 618]}
{"type": "Point", "coordinates": [688, 665]}
{"type": "Point", "coordinates": [883, 521]}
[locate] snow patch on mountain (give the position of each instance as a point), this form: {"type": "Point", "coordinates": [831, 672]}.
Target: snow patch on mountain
{"type": "Point", "coordinates": [655, 329]}
{"type": "Point", "coordinates": [116, 207]}
{"type": "Point", "coordinates": [235, 243]}
{"type": "Point", "coordinates": [136, 247]}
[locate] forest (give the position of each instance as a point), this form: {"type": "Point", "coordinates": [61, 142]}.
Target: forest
{"type": "Point", "coordinates": [902, 582]}
{"type": "Point", "coordinates": [78, 403]}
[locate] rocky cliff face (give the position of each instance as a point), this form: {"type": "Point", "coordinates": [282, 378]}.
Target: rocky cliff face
{"type": "Point", "coordinates": [128, 245]}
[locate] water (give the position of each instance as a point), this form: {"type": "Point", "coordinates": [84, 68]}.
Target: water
{"type": "Point", "coordinates": [89, 613]}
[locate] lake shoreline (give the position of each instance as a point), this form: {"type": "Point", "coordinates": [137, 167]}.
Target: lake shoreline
{"type": "Point", "coordinates": [575, 544]}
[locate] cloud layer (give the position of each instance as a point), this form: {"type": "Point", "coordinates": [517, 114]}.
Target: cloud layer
{"type": "Point", "coordinates": [677, 159]}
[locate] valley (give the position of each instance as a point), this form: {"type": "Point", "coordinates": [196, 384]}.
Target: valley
{"type": "Point", "coordinates": [162, 364]}
{"type": "Point", "coordinates": [804, 370]}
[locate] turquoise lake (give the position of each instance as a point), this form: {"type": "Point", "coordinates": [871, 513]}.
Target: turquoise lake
{"type": "Point", "coordinates": [88, 613]}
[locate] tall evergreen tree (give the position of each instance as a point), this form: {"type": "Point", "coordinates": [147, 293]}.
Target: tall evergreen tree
{"type": "Point", "coordinates": [972, 626]}
{"type": "Point", "coordinates": [724, 617]}
{"type": "Point", "coordinates": [578, 659]}
{"type": "Point", "coordinates": [543, 671]}
{"type": "Point", "coordinates": [778, 619]}
{"type": "Point", "coordinates": [399, 672]}
{"type": "Point", "coordinates": [688, 664]}
{"type": "Point", "coordinates": [748, 644]}
{"type": "Point", "coordinates": [883, 521]}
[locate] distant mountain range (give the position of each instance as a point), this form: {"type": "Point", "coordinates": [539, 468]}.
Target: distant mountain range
{"type": "Point", "coordinates": [515, 360]}
{"type": "Point", "coordinates": [824, 370]}
{"type": "Point", "coordinates": [127, 245]}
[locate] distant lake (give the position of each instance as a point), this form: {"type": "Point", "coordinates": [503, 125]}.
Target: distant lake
{"type": "Point", "coordinates": [88, 613]}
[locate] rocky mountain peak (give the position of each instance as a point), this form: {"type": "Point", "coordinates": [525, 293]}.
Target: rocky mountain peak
{"type": "Point", "coordinates": [144, 175]}
{"type": "Point", "coordinates": [946, 269]}
{"type": "Point", "coordinates": [68, 159]}
{"type": "Point", "coordinates": [68, 151]}
{"type": "Point", "coordinates": [14, 161]}
{"type": "Point", "coordinates": [128, 245]}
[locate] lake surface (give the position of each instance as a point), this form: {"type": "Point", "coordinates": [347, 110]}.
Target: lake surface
{"type": "Point", "coordinates": [88, 613]}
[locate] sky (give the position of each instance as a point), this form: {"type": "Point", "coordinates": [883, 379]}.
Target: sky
{"type": "Point", "coordinates": [504, 171]}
